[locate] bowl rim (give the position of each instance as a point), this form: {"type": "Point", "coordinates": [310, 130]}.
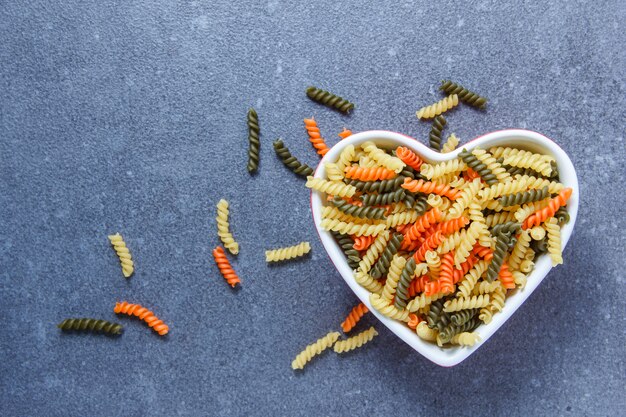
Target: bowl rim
{"type": "Point", "coordinates": [451, 356]}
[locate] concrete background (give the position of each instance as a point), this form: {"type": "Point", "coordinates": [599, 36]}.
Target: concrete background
{"type": "Point", "coordinates": [130, 117]}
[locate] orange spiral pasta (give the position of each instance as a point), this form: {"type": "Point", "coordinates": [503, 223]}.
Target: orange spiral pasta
{"type": "Point", "coordinates": [144, 314]}
{"type": "Point", "coordinates": [470, 175]}
{"type": "Point", "coordinates": [369, 174]}
{"type": "Point", "coordinates": [353, 317]}
{"type": "Point", "coordinates": [422, 224]}
{"type": "Point", "coordinates": [451, 226]}
{"type": "Point", "coordinates": [418, 285]}
{"type": "Point", "coordinates": [409, 157]}
{"type": "Point", "coordinates": [446, 274]}
{"type": "Point", "coordinates": [429, 244]}
{"type": "Point", "coordinates": [430, 187]}
{"type": "Point", "coordinates": [225, 267]}
{"type": "Point", "coordinates": [543, 214]}
{"type": "Point", "coordinates": [414, 320]}
{"type": "Point", "coordinates": [314, 136]}
{"type": "Point", "coordinates": [506, 277]}
{"type": "Point", "coordinates": [344, 133]}
{"type": "Point", "coordinates": [469, 263]}
{"type": "Point", "coordinates": [362, 242]}
{"type": "Point", "coordinates": [483, 252]}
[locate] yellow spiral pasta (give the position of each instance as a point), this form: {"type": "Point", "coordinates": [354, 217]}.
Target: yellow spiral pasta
{"type": "Point", "coordinates": [438, 108]}
{"type": "Point", "coordinates": [519, 250]}
{"type": "Point", "coordinates": [333, 172]}
{"type": "Point", "coordinates": [537, 233]}
{"type": "Point", "coordinates": [337, 188]}
{"type": "Point", "coordinates": [426, 333]}
{"type": "Point", "coordinates": [367, 162]}
{"type": "Point", "coordinates": [539, 183]}
{"type": "Point", "coordinates": [498, 170]}
{"type": "Point", "coordinates": [523, 159]}
{"type": "Point", "coordinates": [314, 349]}
{"type": "Point", "coordinates": [373, 252]}
{"type": "Point", "coordinates": [423, 301]}
{"type": "Point", "coordinates": [503, 152]}
{"type": "Point", "coordinates": [497, 299]}
{"type": "Point", "coordinates": [223, 228]}
{"type": "Point", "coordinates": [383, 158]}
{"type": "Point", "coordinates": [470, 279]}
{"type": "Point", "coordinates": [502, 188]}
{"type": "Point", "coordinates": [346, 157]}
{"type": "Point", "coordinates": [404, 217]}
{"type": "Point", "coordinates": [467, 243]}
{"type": "Point", "coordinates": [355, 342]}
{"type": "Point", "coordinates": [526, 266]}
{"type": "Point", "coordinates": [388, 310]}
{"type": "Point", "coordinates": [451, 242]}
{"type": "Point", "coordinates": [476, 216]}
{"type": "Point", "coordinates": [352, 228]}
{"type": "Point", "coordinates": [554, 240]}
{"type": "Point", "coordinates": [365, 280]}
{"type": "Point", "coordinates": [520, 279]}
{"type": "Point", "coordinates": [123, 253]}
{"type": "Point", "coordinates": [450, 144]}
{"type": "Point", "coordinates": [527, 209]}
{"type": "Point", "coordinates": [434, 200]}
{"type": "Point", "coordinates": [486, 287]}
{"type": "Point", "coordinates": [281, 254]}
{"type": "Point", "coordinates": [467, 195]}
{"type": "Point", "coordinates": [443, 168]}
{"type": "Point", "coordinates": [434, 264]}
{"type": "Point", "coordinates": [463, 303]}
{"type": "Point", "coordinates": [393, 276]}
{"type": "Point", "coordinates": [465, 339]}
{"type": "Point", "coordinates": [333, 213]}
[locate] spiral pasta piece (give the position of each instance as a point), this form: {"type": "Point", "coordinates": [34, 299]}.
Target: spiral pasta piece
{"type": "Point", "coordinates": [355, 341]}
{"type": "Point", "coordinates": [446, 273]}
{"type": "Point", "coordinates": [499, 218]}
{"type": "Point", "coordinates": [429, 244]}
{"type": "Point", "coordinates": [554, 241]}
{"type": "Point", "coordinates": [223, 228]}
{"type": "Point", "coordinates": [465, 95]}
{"type": "Point", "coordinates": [344, 133]}
{"type": "Point", "coordinates": [409, 157]}
{"type": "Point", "coordinates": [378, 186]}
{"type": "Point", "coordinates": [291, 161]}
{"type": "Point", "coordinates": [486, 287]}
{"type": "Point", "coordinates": [519, 250]}
{"type": "Point", "coordinates": [123, 253]}
{"type": "Point", "coordinates": [356, 211]}
{"type": "Point", "coordinates": [462, 303]}
{"type": "Point", "coordinates": [423, 223]}
{"type": "Point", "coordinates": [502, 246]}
{"type": "Point", "coordinates": [437, 108]}
{"type": "Point", "coordinates": [537, 183]}
{"type": "Point", "coordinates": [425, 333]}
{"type": "Point", "coordinates": [143, 314]}
{"type": "Point", "coordinates": [333, 172]}
{"type": "Point", "coordinates": [383, 158]}
{"type": "Point", "coordinates": [363, 242]}
{"type": "Point", "coordinates": [465, 339]}
{"type": "Point", "coordinates": [527, 209]}
{"type": "Point", "coordinates": [253, 140]}
{"type": "Point", "coordinates": [282, 254]}
{"type": "Point", "coordinates": [471, 278]}
{"type": "Point", "coordinates": [366, 281]}
{"type": "Point", "coordinates": [347, 246]}
{"type": "Point", "coordinates": [91, 325]}
{"type": "Point", "coordinates": [502, 188]}
{"type": "Point", "coordinates": [461, 317]}
{"type": "Point", "coordinates": [524, 197]}
{"type": "Point", "coordinates": [443, 168]}
{"type": "Point", "coordinates": [486, 158]}
{"type": "Point", "coordinates": [524, 159]}
{"type": "Point", "coordinates": [436, 318]}
{"type": "Point", "coordinates": [369, 174]}
{"type": "Point", "coordinates": [414, 320]}
{"type": "Point", "coordinates": [315, 137]}
{"type": "Point", "coordinates": [479, 167]}
{"type": "Point", "coordinates": [329, 99]}
{"type": "Point", "coordinates": [402, 218]}
{"type": "Point", "coordinates": [373, 252]}
{"type": "Point", "coordinates": [354, 317]}
{"type": "Point", "coordinates": [423, 301]}
{"type": "Point", "coordinates": [352, 228]}
{"type": "Point", "coordinates": [434, 264]}
{"type": "Point", "coordinates": [436, 132]}
{"type": "Point", "coordinates": [450, 144]}
{"type": "Point", "coordinates": [381, 266]}
{"type": "Point", "coordinates": [540, 216]}
{"type": "Point", "coordinates": [429, 187]}
{"type": "Point", "coordinates": [225, 267]}
{"type": "Point", "coordinates": [346, 157]}
{"type": "Point", "coordinates": [383, 306]}
{"type": "Point", "coordinates": [314, 349]}
{"type": "Point", "coordinates": [465, 197]}
{"type": "Point", "coordinates": [336, 188]}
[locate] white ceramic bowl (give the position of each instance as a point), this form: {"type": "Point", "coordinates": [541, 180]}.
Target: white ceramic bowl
{"type": "Point", "coordinates": [524, 139]}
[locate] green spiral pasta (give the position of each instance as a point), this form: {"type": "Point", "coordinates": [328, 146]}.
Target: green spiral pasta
{"type": "Point", "coordinates": [562, 215]}
{"type": "Point", "coordinates": [383, 199]}
{"type": "Point", "coordinates": [381, 266]}
{"type": "Point", "coordinates": [451, 330]}
{"type": "Point", "coordinates": [347, 246]}
{"type": "Point", "coordinates": [539, 246]}
{"type": "Point", "coordinates": [409, 172]}
{"type": "Point", "coordinates": [524, 197]}
{"type": "Point", "coordinates": [329, 99]}
{"type": "Point", "coordinates": [502, 247]}
{"type": "Point", "coordinates": [479, 167]}
{"type": "Point", "coordinates": [91, 325]}
{"type": "Point", "coordinates": [434, 138]}
{"type": "Point", "coordinates": [290, 161]}
{"type": "Point", "coordinates": [509, 228]}
{"type": "Point", "coordinates": [459, 318]}
{"type": "Point", "coordinates": [436, 318]}
{"type": "Point", "coordinates": [253, 139]}
{"type": "Point", "coordinates": [402, 290]}
{"type": "Point", "coordinates": [465, 95]}
{"type": "Point", "coordinates": [356, 211]}
{"type": "Point", "coordinates": [378, 186]}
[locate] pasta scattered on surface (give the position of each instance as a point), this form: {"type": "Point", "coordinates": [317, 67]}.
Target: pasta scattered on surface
{"type": "Point", "coordinates": [91, 325]}
{"type": "Point", "coordinates": [126, 260]}
{"type": "Point", "coordinates": [329, 99]}
{"type": "Point", "coordinates": [314, 349]}
{"type": "Point", "coordinates": [282, 254]}
{"type": "Point", "coordinates": [356, 341]}
{"type": "Point", "coordinates": [225, 267]}
{"type": "Point", "coordinates": [223, 228]}
{"type": "Point", "coordinates": [254, 142]}
{"type": "Point", "coordinates": [143, 314]}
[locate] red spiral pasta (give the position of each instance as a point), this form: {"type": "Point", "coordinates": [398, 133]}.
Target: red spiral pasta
{"type": "Point", "coordinates": [225, 267]}
{"type": "Point", "coordinates": [144, 314]}
{"type": "Point", "coordinates": [362, 242]}
{"type": "Point", "coordinates": [422, 224]}
{"type": "Point", "coordinates": [506, 277]}
{"type": "Point", "coordinates": [314, 136]}
{"type": "Point", "coordinates": [353, 317]}
{"type": "Point", "coordinates": [430, 187]}
{"type": "Point", "coordinates": [418, 285]}
{"type": "Point", "coordinates": [429, 244]}
{"type": "Point", "coordinates": [409, 157]}
{"type": "Point", "coordinates": [446, 273]}
{"type": "Point", "coordinates": [369, 174]}
{"type": "Point", "coordinates": [344, 133]}
{"type": "Point", "coordinates": [543, 214]}
{"type": "Point", "coordinates": [483, 252]}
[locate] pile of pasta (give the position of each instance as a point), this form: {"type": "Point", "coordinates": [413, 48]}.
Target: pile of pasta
{"type": "Point", "coordinates": [439, 246]}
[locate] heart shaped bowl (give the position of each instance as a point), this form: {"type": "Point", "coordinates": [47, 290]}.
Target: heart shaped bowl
{"type": "Point", "coordinates": [523, 139]}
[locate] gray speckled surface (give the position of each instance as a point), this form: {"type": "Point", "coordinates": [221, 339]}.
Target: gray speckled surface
{"type": "Point", "coordinates": [130, 117]}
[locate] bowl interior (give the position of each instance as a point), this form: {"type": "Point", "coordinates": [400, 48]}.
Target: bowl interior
{"type": "Point", "coordinates": [523, 139]}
